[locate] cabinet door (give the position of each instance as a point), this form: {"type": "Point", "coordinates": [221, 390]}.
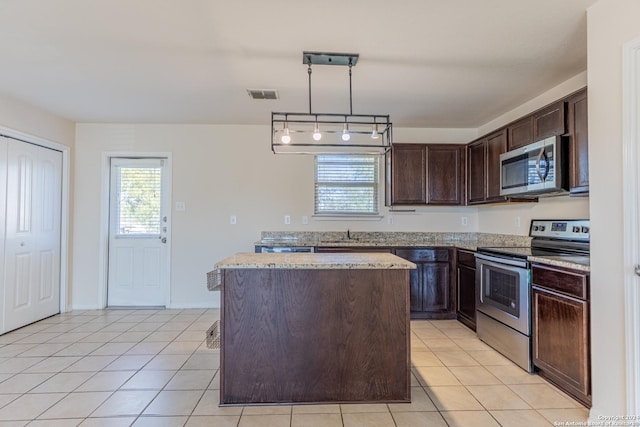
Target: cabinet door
{"type": "Point", "coordinates": [445, 174]}
{"type": "Point", "coordinates": [520, 133]}
{"type": "Point", "coordinates": [496, 145]}
{"type": "Point", "coordinates": [549, 121]}
{"type": "Point", "coordinates": [561, 341]}
{"type": "Point", "coordinates": [466, 301]}
{"type": "Point", "coordinates": [408, 174]}
{"type": "Point", "coordinates": [476, 182]}
{"type": "Point", "coordinates": [578, 143]}
{"type": "Point", "coordinates": [435, 287]}
{"type": "Point", "coordinates": [416, 288]}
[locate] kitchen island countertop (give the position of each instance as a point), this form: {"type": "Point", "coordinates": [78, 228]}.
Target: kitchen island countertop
{"type": "Point", "coordinates": [296, 261]}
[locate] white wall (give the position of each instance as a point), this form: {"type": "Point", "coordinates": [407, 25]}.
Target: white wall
{"type": "Point", "coordinates": [611, 23]}
{"type": "Point", "coordinates": [25, 118]}
{"type": "Point", "coordinates": [220, 171]}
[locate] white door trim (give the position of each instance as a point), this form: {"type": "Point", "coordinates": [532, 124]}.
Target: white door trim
{"type": "Point", "coordinates": [104, 219]}
{"type": "Point", "coordinates": [631, 202]}
{"type": "Point", "coordinates": [65, 212]}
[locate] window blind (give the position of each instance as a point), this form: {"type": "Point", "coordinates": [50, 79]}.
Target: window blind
{"type": "Point", "coordinates": [346, 184]}
{"type": "Point", "coordinates": [139, 204]}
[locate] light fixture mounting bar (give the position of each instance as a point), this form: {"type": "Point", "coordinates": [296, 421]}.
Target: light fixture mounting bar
{"type": "Point", "coordinates": [328, 58]}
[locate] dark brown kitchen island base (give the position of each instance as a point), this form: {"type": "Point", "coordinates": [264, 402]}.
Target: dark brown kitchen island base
{"type": "Point", "coordinates": [314, 336]}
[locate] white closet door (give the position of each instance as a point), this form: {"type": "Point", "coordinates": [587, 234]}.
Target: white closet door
{"type": "Point", "coordinates": [32, 258]}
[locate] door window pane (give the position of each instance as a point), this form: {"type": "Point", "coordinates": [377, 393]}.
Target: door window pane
{"type": "Point", "coordinates": [138, 204]}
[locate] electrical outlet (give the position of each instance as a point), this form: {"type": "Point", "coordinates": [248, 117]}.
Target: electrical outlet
{"type": "Point", "coordinates": [233, 220]}
{"type": "Point", "coordinates": [287, 219]}
{"type": "Point", "coordinates": [390, 219]}
{"type": "Point", "coordinates": [305, 220]}
{"type": "Point", "coordinates": [180, 206]}
{"type": "Point", "coordinates": [464, 221]}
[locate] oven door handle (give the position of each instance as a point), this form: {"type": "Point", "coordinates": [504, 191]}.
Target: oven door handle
{"type": "Point", "coordinates": [501, 262]}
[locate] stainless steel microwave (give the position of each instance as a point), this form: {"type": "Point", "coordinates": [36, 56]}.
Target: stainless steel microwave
{"type": "Point", "coordinates": [536, 169]}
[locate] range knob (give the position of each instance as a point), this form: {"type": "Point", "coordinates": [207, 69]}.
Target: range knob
{"type": "Point", "coordinates": [585, 229]}
{"type": "Point", "coordinates": [542, 228]}
{"type": "Point", "coordinates": [576, 229]}
{"type": "Point", "coordinates": [535, 228]}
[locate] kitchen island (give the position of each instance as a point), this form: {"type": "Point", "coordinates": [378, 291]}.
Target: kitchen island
{"type": "Point", "coordinates": [314, 328]}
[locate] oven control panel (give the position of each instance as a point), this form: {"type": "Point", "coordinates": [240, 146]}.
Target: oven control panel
{"type": "Point", "coordinates": [566, 229]}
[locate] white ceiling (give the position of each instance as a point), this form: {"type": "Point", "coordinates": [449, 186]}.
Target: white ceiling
{"type": "Point", "coordinates": [427, 63]}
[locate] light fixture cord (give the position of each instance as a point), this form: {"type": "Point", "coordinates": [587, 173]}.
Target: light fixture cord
{"type": "Point", "coordinates": [350, 94]}
{"type": "Point", "coordinates": [309, 72]}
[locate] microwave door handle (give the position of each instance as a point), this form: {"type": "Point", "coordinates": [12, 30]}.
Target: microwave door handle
{"type": "Point", "coordinates": [542, 177]}
{"type": "Point", "coordinates": [547, 166]}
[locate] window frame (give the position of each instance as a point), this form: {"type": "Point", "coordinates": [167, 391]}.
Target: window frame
{"type": "Point", "coordinates": [346, 214]}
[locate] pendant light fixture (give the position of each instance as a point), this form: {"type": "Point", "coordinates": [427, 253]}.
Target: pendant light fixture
{"type": "Point", "coordinates": [330, 133]}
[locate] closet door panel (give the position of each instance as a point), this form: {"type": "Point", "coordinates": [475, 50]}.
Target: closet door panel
{"type": "Point", "coordinates": [32, 257]}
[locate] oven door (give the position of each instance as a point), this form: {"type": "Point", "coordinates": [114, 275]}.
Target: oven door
{"type": "Point", "coordinates": [503, 291]}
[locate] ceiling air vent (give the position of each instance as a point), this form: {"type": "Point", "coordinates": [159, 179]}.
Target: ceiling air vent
{"type": "Point", "coordinates": [263, 93]}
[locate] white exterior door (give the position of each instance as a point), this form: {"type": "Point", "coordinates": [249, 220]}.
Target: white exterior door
{"type": "Point", "coordinates": [138, 233]}
{"type": "Point", "coordinates": [32, 242]}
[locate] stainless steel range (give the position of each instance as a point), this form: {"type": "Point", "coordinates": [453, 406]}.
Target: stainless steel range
{"type": "Point", "coordinates": [503, 299]}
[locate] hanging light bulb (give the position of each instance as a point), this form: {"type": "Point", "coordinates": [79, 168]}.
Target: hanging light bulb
{"type": "Point", "coordinates": [286, 138]}
{"type": "Point", "coordinates": [345, 133]}
{"type": "Point", "coordinates": [316, 132]}
{"type": "Point", "coordinates": [374, 133]}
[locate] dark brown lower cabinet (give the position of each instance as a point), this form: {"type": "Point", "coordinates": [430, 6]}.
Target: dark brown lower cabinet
{"type": "Point", "coordinates": [432, 294]}
{"type": "Point", "coordinates": [466, 288]}
{"type": "Point", "coordinates": [560, 321]}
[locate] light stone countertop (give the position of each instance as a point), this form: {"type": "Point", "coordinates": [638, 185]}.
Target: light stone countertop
{"type": "Point", "coordinates": [580, 263]}
{"type": "Point", "coordinates": [360, 260]}
{"type": "Point", "coordinates": [461, 240]}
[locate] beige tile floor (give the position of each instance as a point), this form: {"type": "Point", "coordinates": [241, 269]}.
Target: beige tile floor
{"type": "Point", "coordinates": [152, 368]}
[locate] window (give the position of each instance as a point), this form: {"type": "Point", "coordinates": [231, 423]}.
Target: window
{"type": "Point", "coordinates": [346, 184]}
{"type": "Point", "coordinates": [138, 200]}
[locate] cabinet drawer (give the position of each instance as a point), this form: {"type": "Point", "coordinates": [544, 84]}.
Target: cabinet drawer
{"type": "Point", "coordinates": [569, 282]}
{"type": "Point", "coordinates": [424, 254]}
{"type": "Point", "coordinates": [467, 258]}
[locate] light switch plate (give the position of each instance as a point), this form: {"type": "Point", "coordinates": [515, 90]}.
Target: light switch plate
{"type": "Point", "coordinates": [287, 219]}
{"type": "Point", "coordinates": [305, 220]}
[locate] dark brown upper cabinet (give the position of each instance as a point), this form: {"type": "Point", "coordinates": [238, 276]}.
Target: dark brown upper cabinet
{"type": "Point", "coordinates": [496, 145]}
{"type": "Point", "coordinates": [549, 121]}
{"type": "Point", "coordinates": [408, 174]}
{"type": "Point", "coordinates": [476, 171]}
{"type": "Point", "coordinates": [578, 132]}
{"type": "Point", "coordinates": [483, 165]}
{"type": "Point", "coordinates": [520, 133]}
{"type": "Point", "coordinates": [425, 174]}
